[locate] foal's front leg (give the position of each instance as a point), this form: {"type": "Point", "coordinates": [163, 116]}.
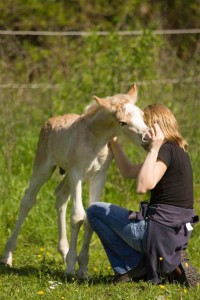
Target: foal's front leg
{"type": "Point", "coordinates": [76, 218]}
{"type": "Point", "coordinates": [96, 186]}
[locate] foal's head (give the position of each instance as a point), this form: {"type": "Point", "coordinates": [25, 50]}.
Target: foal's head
{"type": "Point", "coordinates": [127, 115]}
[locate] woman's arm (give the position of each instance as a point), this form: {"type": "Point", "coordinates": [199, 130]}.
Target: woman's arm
{"type": "Point", "coordinates": [126, 168]}
{"type": "Point", "coordinates": [152, 170]}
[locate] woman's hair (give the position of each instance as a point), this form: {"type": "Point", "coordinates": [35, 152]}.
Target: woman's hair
{"type": "Point", "coordinates": [158, 113]}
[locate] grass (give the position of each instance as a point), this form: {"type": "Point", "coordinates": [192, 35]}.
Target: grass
{"type": "Point", "coordinates": [38, 271]}
{"type": "Point", "coordinates": [39, 274]}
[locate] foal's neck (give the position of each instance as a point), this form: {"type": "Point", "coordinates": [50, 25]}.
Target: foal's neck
{"type": "Point", "coordinates": [102, 124]}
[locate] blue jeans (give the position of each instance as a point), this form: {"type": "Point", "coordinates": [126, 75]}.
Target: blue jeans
{"type": "Point", "coordinates": [124, 240]}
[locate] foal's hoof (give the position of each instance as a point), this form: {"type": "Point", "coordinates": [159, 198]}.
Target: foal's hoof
{"type": "Point", "coordinates": [6, 262]}
{"type": "Point", "coordinates": [70, 277]}
{"type": "Point", "coordinates": [82, 275]}
{"type": "Point", "coordinates": [6, 259]}
{"type": "Point", "coordinates": [4, 267]}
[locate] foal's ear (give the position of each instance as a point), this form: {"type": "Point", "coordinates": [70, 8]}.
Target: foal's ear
{"type": "Point", "coordinates": [133, 93]}
{"type": "Point", "coordinates": [102, 102]}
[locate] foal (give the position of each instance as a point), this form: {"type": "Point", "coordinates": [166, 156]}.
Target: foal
{"type": "Point", "coordinates": [78, 145]}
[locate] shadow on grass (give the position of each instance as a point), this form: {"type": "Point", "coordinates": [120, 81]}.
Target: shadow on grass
{"type": "Point", "coordinates": [54, 275]}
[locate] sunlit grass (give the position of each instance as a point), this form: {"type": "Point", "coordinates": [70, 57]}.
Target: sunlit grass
{"type": "Point", "coordinates": [38, 271]}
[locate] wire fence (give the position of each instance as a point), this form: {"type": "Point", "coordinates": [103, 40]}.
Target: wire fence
{"type": "Point", "coordinates": [49, 86]}
{"type": "Point", "coordinates": [26, 102]}
{"type": "Point", "coordinates": [101, 33]}
{"type": "Point", "coordinates": [139, 83]}
{"type": "Point", "coordinates": [57, 86]}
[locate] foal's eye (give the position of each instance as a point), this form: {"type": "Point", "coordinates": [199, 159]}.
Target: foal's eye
{"type": "Point", "coordinates": [122, 123]}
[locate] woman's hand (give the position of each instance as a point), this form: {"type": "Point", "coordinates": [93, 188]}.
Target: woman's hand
{"type": "Point", "coordinates": [157, 137]}
{"type": "Point", "coordinates": [152, 170]}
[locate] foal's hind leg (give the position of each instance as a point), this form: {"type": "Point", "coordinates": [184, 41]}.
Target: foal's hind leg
{"type": "Point", "coordinates": [39, 177]}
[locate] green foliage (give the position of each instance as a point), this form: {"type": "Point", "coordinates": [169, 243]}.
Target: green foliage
{"type": "Point", "coordinates": [104, 15]}
{"type": "Point", "coordinates": [62, 73]}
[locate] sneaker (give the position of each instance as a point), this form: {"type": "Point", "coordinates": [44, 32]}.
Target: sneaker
{"type": "Point", "coordinates": [185, 273]}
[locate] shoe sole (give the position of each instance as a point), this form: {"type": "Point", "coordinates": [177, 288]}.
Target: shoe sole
{"type": "Point", "coordinates": [189, 275]}
{"type": "Point", "coordinates": [185, 273]}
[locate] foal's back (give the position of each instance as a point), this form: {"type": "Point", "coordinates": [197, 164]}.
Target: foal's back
{"type": "Point", "coordinates": [67, 141]}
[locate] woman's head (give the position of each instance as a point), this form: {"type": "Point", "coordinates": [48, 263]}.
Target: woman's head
{"type": "Point", "coordinates": [158, 113]}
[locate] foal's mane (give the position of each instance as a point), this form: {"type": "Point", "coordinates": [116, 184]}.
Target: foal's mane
{"type": "Point", "coordinates": [116, 100]}
{"type": "Point", "coordinates": [90, 108]}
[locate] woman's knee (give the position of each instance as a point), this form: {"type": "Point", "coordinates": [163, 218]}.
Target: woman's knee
{"type": "Point", "coordinates": [94, 209]}
{"type": "Point", "coordinates": [90, 212]}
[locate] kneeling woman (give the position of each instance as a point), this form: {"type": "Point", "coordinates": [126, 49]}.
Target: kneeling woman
{"type": "Point", "coordinates": [150, 244]}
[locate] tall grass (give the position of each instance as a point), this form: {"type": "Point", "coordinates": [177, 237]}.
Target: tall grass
{"type": "Point", "coordinates": [37, 266]}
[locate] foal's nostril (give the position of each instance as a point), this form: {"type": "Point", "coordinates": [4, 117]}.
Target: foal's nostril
{"type": "Point", "coordinates": [122, 123]}
{"type": "Point", "coordinates": [146, 138]}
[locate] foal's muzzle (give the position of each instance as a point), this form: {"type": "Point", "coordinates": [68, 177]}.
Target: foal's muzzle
{"type": "Point", "coordinates": [145, 140]}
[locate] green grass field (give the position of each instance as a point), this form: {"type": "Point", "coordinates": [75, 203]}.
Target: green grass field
{"type": "Point", "coordinates": [38, 271]}
{"type": "Point", "coordinates": [42, 76]}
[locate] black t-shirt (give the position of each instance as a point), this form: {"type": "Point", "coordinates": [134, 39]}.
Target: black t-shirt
{"type": "Point", "coordinates": [176, 185]}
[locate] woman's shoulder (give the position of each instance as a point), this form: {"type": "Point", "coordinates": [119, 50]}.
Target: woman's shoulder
{"type": "Point", "coordinates": [173, 149]}
{"type": "Point", "coordinates": [170, 145]}
{"type": "Point", "coordinates": [165, 153]}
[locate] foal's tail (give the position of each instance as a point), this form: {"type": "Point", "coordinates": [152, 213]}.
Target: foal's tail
{"type": "Point", "coordinates": [43, 160]}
